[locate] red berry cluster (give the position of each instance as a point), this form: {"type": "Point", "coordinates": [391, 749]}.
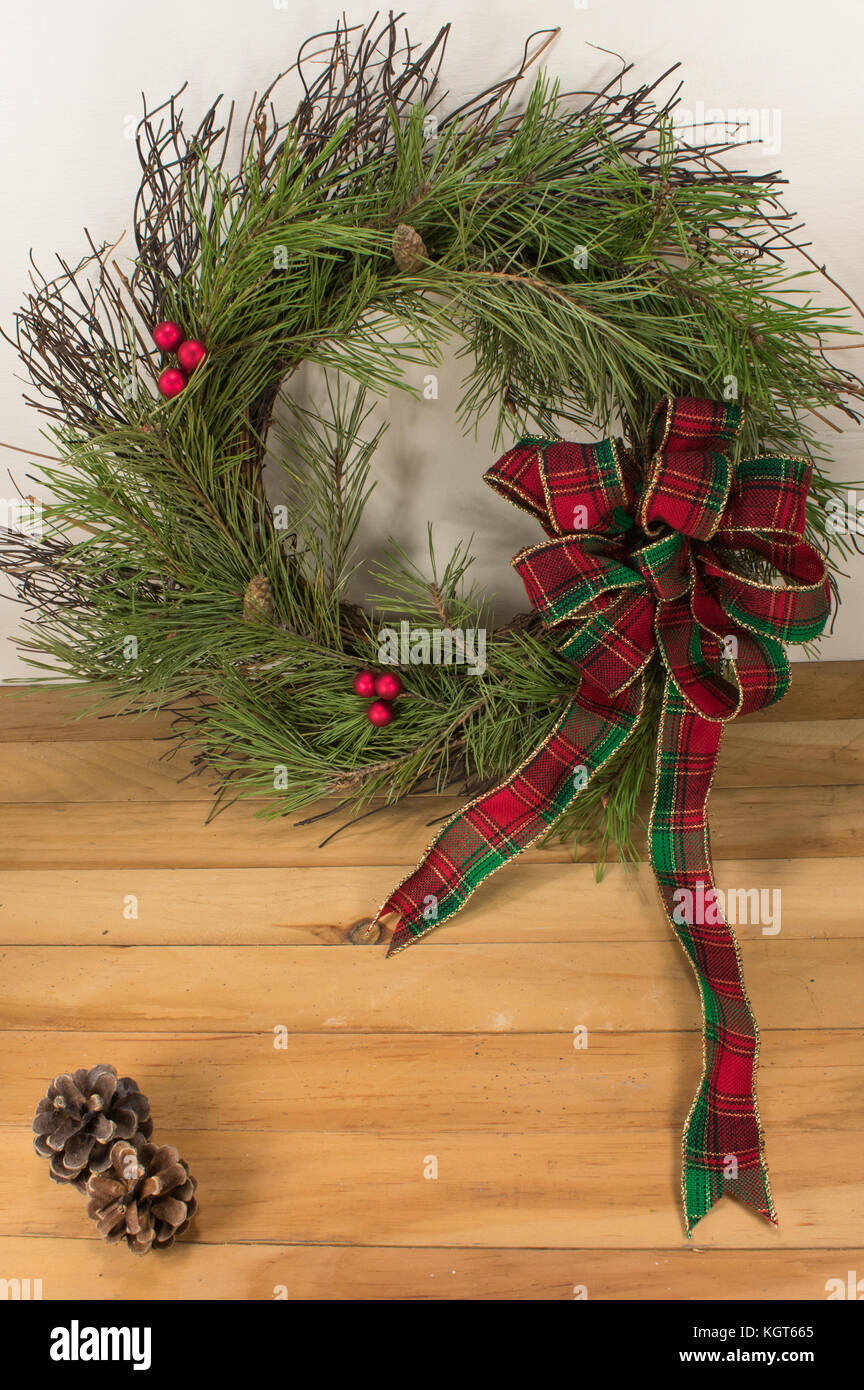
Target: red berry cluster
{"type": "Point", "coordinates": [169, 337]}
{"type": "Point", "coordinates": [387, 686]}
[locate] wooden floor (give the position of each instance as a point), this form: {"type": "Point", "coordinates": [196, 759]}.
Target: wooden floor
{"type": "Point", "coordinates": [427, 1129]}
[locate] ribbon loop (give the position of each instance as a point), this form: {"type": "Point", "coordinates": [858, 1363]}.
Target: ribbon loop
{"type": "Point", "coordinates": [682, 423]}
{"type": "Point", "coordinates": [795, 610]}
{"type": "Point", "coordinates": [567, 487]}
{"type": "Point", "coordinates": [686, 491]}
{"type": "Point", "coordinates": [689, 475]}
{"type": "Point", "coordinates": [665, 566]}
{"type": "Point", "coordinates": [562, 578]}
{"type": "Point", "coordinates": [768, 499]}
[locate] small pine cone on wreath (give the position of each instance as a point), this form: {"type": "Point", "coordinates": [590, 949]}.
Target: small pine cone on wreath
{"type": "Point", "coordinates": [258, 599]}
{"type": "Point", "coordinates": [409, 250]}
{"type": "Point", "coordinates": [82, 1115]}
{"type": "Point", "coordinates": [146, 1197]}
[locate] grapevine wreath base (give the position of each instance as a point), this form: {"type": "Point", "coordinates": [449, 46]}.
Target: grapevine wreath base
{"type": "Point", "coordinates": [590, 264]}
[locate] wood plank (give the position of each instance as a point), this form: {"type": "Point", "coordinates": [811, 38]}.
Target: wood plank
{"type": "Point", "coordinates": [527, 902]}
{"type": "Point", "coordinates": [86, 1268]}
{"type": "Point", "coordinates": [123, 770]}
{"type": "Point", "coordinates": [311, 1157]}
{"type": "Point", "coordinates": [529, 1083]}
{"type": "Point", "coordinates": [819, 690]}
{"type": "Point", "coordinates": [464, 988]}
{"type": "Point", "coordinates": [805, 753]}
{"type": "Point", "coordinates": [59, 714]}
{"type": "Point", "coordinates": [618, 1190]}
{"type": "Point", "coordinates": [745, 824]}
{"type": "Point", "coordinates": [115, 770]}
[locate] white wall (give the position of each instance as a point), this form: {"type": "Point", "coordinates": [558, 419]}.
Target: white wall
{"type": "Point", "coordinates": [71, 79]}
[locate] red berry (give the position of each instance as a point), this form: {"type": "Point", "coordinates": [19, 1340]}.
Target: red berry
{"type": "Point", "coordinates": [388, 685]}
{"type": "Point", "coordinates": [380, 712]}
{"type": "Point", "coordinates": [172, 382]}
{"type": "Point", "coordinates": [168, 335]}
{"type": "Point", "coordinates": [364, 684]}
{"type": "Point", "coordinates": [191, 353]}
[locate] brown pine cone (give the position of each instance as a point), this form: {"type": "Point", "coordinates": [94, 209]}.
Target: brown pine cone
{"type": "Point", "coordinates": [81, 1117]}
{"type": "Point", "coordinates": [257, 599]}
{"type": "Point", "coordinates": [409, 251]}
{"type": "Point", "coordinates": [147, 1196]}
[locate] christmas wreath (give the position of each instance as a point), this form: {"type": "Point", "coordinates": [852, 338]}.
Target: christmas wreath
{"type": "Point", "coordinates": [597, 271]}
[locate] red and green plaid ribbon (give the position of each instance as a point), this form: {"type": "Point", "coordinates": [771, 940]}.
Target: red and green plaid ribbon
{"type": "Point", "coordinates": [700, 566]}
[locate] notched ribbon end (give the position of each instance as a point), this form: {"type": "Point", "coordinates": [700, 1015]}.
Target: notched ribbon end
{"type": "Point", "coordinates": [401, 936]}
{"type": "Point", "coordinates": [692, 1219]}
{"type": "Point", "coordinates": [702, 1192]}
{"type": "Point", "coordinates": [399, 940]}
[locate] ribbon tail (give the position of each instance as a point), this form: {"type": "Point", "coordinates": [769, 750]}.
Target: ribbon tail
{"type": "Point", "coordinates": [723, 1145]}
{"type": "Point", "coordinates": [498, 825]}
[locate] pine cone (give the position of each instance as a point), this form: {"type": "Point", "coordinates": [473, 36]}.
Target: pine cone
{"type": "Point", "coordinates": [409, 251]}
{"type": "Point", "coordinates": [258, 598]}
{"type": "Point", "coordinates": [81, 1117]}
{"type": "Point", "coordinates": [147, 1196]}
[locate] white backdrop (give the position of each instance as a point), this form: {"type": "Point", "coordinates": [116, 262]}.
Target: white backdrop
{"type": "Point", "coordinates": [72, 76]}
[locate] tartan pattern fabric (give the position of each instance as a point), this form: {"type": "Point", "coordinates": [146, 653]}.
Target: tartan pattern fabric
{"type": "Point", "coordinates": [588, 483]}
{"type": "Point", "coordinates": [614, 644]}
{"type": "Point", "coordinates": [769, 495]}
{"type": "Point", "coordinates": [722, 1144]}
{"type": "Point", "coordinates": [679, 422]}
{"type": "Point", "coordinates": [497, 826]}
{"type": "Point", "coordinates": [639, 568]}
{"type": "Point", "coordinates": [794, 612]}
{"type": "Point", "coordinates": [562, 579]}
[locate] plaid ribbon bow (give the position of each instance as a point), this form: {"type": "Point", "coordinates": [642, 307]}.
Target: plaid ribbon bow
{"type": "Point", "coordinates": [661, 565]}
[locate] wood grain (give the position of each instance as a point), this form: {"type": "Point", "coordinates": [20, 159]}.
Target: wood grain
{"type": "Point", "coordinates": [465, 988]}
{"type": "Point", "coordinates": [68, 714]}
{"type": "Point", "coordinates": [615, 1189]}
{"type": "Point", "coordinates": [311, 1090]}
{"type": "Point", "coordinates": [85, 1268]}
{"type": "Point", "coordinates": [745, 824]}
{"type": "Point", "coordinates": [820, 690]}
{"type": "Point", "coordinates": [537, 1082]}
{"type": "Point", "coordinates": [794, 754]}
{"type": "Point", "coordinates": [531, 903]}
